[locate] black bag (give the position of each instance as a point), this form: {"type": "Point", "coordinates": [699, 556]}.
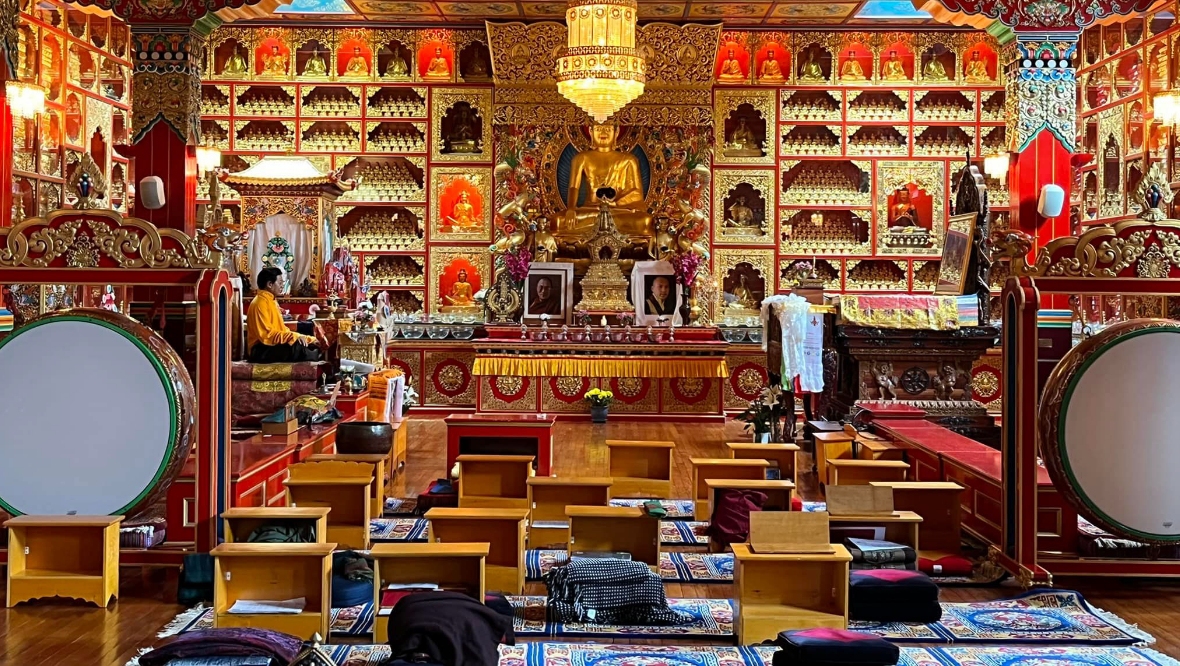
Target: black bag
{"type": "Point", "coordinates": [196, 580]}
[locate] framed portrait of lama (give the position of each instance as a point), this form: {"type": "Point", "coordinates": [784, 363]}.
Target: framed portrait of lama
{"type": "Point", "coordinates": [549, 290]}
{"type": "Point", "coordinates": [956, 255]}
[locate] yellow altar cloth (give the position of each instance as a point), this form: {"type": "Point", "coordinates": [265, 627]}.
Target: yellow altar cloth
{"type": "Point", "coordinates": [922, 313]}
{"type": "Point", "coordinates": [538, 359]}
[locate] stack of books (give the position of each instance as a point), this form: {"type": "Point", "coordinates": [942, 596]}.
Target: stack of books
{"type": "Point", "coordinates": [877, 554]}
{"type": "Point", "coordinates": [395, 592]}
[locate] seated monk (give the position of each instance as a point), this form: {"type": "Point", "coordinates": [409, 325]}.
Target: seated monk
{"type": "Point", "coordinates": [267, 337]}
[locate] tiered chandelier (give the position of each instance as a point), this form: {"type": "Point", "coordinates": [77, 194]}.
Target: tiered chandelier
{"type": "Point", "coordinates": [600, 70]}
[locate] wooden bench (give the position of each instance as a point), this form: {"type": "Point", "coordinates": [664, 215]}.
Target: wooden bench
{"type": "Point", "coordinates": [343, 486]}
{"type": "Point", "coordinates": [939, 504]}
{"type": "Point", "coordinates": [502, 529]}
{"type": "Point", "coordinates": [548, 498]}
{"type": "Point", "coordinates": [782, 591]}
{"type": "Point", "coordinates": [778, 493]}
{"type": "Point", "coordinates": [448, 565]}
{"type": "Point", "coordinates": [830, 446]}
{"type": "Point", "coordinates": [494, 482]}
{"type": "Point", "coordinates": [640, 468]}
{"type": "Point", "coordinates": [704, 469]}
{"type": "Point", "coordinates": [240, 522]}
{"type": "Point", "coordinates": [615, 529]}
{"type": "Point", "coordinates": [900, 526]}
{"type": "Point", "coordinates": [63, 556]}
{"type": "Point", "coordinates": [382, 474]}
{"type": "Point", "coordinates": [862, 472]}
{"type": "Point", "coordinates": [270, 571]}
{"type": "Point", "coordinates": [782, 455]}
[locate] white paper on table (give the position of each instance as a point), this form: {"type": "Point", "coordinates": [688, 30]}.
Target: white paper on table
{"type": "Point", "coordinates": [268, 607]}
{"type": "Point", "coordinates": [394, 388]}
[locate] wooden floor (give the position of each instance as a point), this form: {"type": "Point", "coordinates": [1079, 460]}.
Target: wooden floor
{"type": "Point", "coordinates": [79, 635]}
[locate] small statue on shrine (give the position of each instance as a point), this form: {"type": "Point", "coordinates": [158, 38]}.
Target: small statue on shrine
{"type": "Point", "coordinates": [945, 383]}
{"type": "Point", "coordinates": [771, 72]}
{"type": "Point", "coordinates": [741, 215]}
{"type": "Point", "coordinates": [886, 382]}
{"type": "Point", "coordinates": [461, 293]}
{"type": "Point", "coordinates": [743, 298]}
{"type": "Point", "coordinates": [107, 301]}
{"type": "Point", "coordinates": [892, 69]}
{"type": "Point", "coordinates": [462, 135]}
{"type": "Point", "coordinates": [977, 70]}
{"type": "Point", "coordinates": [811, 71]}
{"type": "Point", "coordinates": [357, 65]}
{"type": "Point", "coordinates": [851, 69]}
{"type": "Point", "coordinates": [397, 67]}
{"type": "Point", "coordinates": [544, 244]}
{"type": "Point", "coordinates": [742, 142]}
{"type": "Point", "coordinates": [934, 70]}
{"type": "Point", "coordinates": [341, 276]}
{"type": "Point", "coordinates": [477, 69]}
{"type": "Point", "coordinates": [438, 69]}
{"type": "Point", "coordinates": [236, 64]}
{"type": "Point", "coordinates": [274, 63]}
{"type": "Point", "coordinates": [731, 70]}
{"type": "Point", "coordinates": [315, 66]}
{"type": "Point", "coordinates": [463, 213]}
{"type": "Point", "coordinates": [902, 213]}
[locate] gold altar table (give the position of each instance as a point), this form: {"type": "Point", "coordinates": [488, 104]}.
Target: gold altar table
{"type": "Point", "coordinates": [699, 360]}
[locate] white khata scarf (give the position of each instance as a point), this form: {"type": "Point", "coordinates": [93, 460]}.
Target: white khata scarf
{"type": "Point", "coordinates": [792, 312]}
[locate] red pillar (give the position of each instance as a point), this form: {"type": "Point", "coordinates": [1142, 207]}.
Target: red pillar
{"type": "Point", "coordinates": [1043, 161]}
{"type": "Point", "coordinates": [160, 152]}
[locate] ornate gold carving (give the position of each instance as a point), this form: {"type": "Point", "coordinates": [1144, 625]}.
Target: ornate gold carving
{"type": "Point", "coordinates": [88, 184]}
{"type": "Point", "coordinates": [726, 102]}
{"type": "Point", "coordinates": [690, 395]}
{"type": "Point", "coordinates": [1042, 99]}
{"type": "Point", "coordinates": [1153, 193]}
{"type": "Point", "coordinates": [441, 178]}
{"type": "Point", "coordinates": [508, 387]}
{"type": "Point", "coordinates": [504, 299]}
{"type": "Point", "coordinates": [727, 230]}
{"type": "Point", "coordinates": [726, 260]}
{"type": "Point", "coordinates": [454, 377]}
{"type": "Point", "coordinates": [925, 275]}
{"type": "Point", "coordinates": [480, 100]}
{"type": "Point", "coordinates": [1103, 251]}
{"type": "Point", "coordinates": [931, 178]}
{"type": "Point", "coordinates": [835, 234]}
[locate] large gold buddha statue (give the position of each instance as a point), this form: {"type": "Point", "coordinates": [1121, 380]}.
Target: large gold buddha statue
{"type": "Point", "coordinates": [771, 71]}
{"type": "Point", "coordinates": [603, 166]}
{"type": "Point", "coordinates": [315, 66]}
{"type": "Point", "coordinates": [811, 71]}
{"type": "Point", "coordinates": [438, 69]}
{"type": "Point", "coordinates": [892, 69]}
{"type": "Point", "coordinates": [274, 63]}
{"type": "Point", "coordinates": [463, 213]}
{"type": "Point", "coordinates": [236, 64]}
{"type": "Point", "coordinates": [851, 70]}
{"type": "Point", "coordinates": [934, 70]}
{"type": "Point", "coordinates": [397, 67]}
{"type": "Point", "coordinates": [731, 70]}
{"type": "Point", "coordinates": [357, 65]}
{"type": "Point", "coordinates": [977, 70]}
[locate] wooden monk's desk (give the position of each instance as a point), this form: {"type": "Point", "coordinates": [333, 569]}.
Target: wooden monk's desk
{"type": "Point", "coordinates": [502, 529]}
{"type": "Point", "coordinates": [778, 493]}
{"type": "Point", "coordinates": [501, 434]}
{"type": "Point", "coordinates": [275, 572]}
{"type": "Point", "coordinates": [900, 526]}
{"type": "Point", "coordinates": [615, 529]}
{"type": "Point", "coordinates": [782, 591]}
{"type": "Point", "coordinates": [781, 454]}
{"type": "Point", "coordinates": [640, 468]}
{"type": "Point", "coordinates": [704, 469]}
{"type": "Point", "coordinates": [870, 447]}
{"type": "Point", "coordinates": [381, 474]}
{"type": "Point", "coordinates": [830, 446]}
{"type": "Point", "coordinates": [494, 482]}
{"type": "Point", "coordinates": [862, 472]}
{"type": "Point", "coordinates": [63, 556]}
{"type": "Point", "coordinates": [548, 498]}
{"type": "Point", "coordinates": [240, 522]}
{"type": "Point", "coordinates": [938, 502]}
{"type": "Point", "coordinates": [344, 486]}
{"type": "Point", "coordinates": [451, 566]}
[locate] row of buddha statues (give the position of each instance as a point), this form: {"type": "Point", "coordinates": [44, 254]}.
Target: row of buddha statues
{"type": "Point", "coordinates": [811, 141]}
{"type": "Point", "coordinates": [265, 138]}
{"type": "Point", "coordinates": [331, 139]}
{"type": "Point", "coordinates": [277, 64]}
{"type": "Point", "coordinates": [331, 103]}
{"type": "Point", "coordinates": [389, 140]}
{"type": "Point", "coordinates": [375, 232]}
{"type": "Point", "coordinates": [878, 141]}
{"type": "Point", "coordinates": [383, 181]}
{"type": "Point", "coordinates": [396, 107]}
{"type": "Point", "coordinates": [324, 103]}
{"type": "Point", "coordinates": [267, 103]}
{"type": "Point", "coordinates": [892, 69]}
{"type": "Point", "coordinates": [395, 271]}
{"type": "Point", "coordinates": [824, 184]}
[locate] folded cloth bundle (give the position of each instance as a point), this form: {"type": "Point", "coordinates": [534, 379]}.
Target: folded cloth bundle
{"type": "Point", "coordinates": [223, 661]}
{"type": "Point", "coordinates": [951, 565]}
{"type": "Point", "coordinates": [874, 554]}
{"type": "Point", "coordinates": [833, 647]}
{"type": "Point", "coordinates": [233, 642]}
{"type": "Point", "coordinates": [609, 591]}
{"type": "Point", "coordinates": [890, 595]}
{"type": "Point", "coordinates": [730, 522]}
{"type": "Point", "coordinates": [352, 579]}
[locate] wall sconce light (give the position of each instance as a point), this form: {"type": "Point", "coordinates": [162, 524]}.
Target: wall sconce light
{"type": "Point", "coordinates": [26, 100]}
{"type": "Point", "coordinates": [208, 158]}
{"type": "Point", "coordinates": [996, 166]}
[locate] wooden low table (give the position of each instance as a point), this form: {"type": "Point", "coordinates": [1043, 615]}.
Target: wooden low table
{"type": "Point", "coordinates": [615, 529]}
{"type": "Point", "coordinates": [448, 565]}
{"type": "Point", "coordinates": [343, 486]}
{"type": "Point", "coordinates": [494, 482]}
{"type": "Point", "coordinates": [782, 591]}
{"type": "Point", "coordinates": [63, 556]}
{"type": "Point", "coordinates": [875, 448]}
{"type": "Point", "coordinates": [382, 474]}
{"type": "Point", "coordinates": [502, 529]}
{"type": "Point", "coordinates": [275, 572]}
{"type": "Point", "coordinates": [863, 472]}
{"type": "Point", "coordinates": [240, 522]}
{"type": "Point", "coordinates": [640, 468]}
{"type": "Point", "coordinates": [778, 493]}
{"type": "Point", "coordinates": [939, 504]}
{"type": "Point", "coordinates": [548, 498]}
{"type": "Point", "coordinates": [501, 434]}
{"type": "Point", "coordinates": [900, 526]}
{"type": "Point", "coordinates": [720, 468]}
{"type": "Point", "coordinates": [830, 446]}
{"type": "Point", "coordinates": [781, 454]}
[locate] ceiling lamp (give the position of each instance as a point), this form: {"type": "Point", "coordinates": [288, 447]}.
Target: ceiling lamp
{"type": "Point", "coordinates": [996, 166]}
{"type": "Point", "coordinates": [600, 70]}
{"type": "Point", "coordinates": [1167, 107]}
{"type": "Point", "coordinates": [25, 99]}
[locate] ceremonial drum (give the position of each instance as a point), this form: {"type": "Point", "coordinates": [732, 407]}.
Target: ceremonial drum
{"type": "Point", "coordinates": [96, 415]}
{"type": "Point", "coordinates": [1107, 434]}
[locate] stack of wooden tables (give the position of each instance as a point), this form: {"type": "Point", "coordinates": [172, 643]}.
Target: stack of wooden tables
{"type": "Point", "coordinates": [615, 529]}
{"type": "Point", "coordinates": [450, 566]}
{"type": "Point", "coordinates": [548, 498]}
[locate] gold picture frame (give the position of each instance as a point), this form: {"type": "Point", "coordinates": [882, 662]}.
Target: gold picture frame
{"type": "Point", "coordinates": [956, 255]}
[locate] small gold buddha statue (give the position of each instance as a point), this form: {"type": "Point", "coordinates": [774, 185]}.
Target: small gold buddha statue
{"type": "Point", "coordinates": [274, 63]}
{"type": "Point", "coordinates": [463, 213]}
{"type": "Point", "coordinates": [461, 295]}
{"type": "Point", "coordinates": [357, 65]}
{"type": "Point", "coordinates": [315, 66]}
{"type": "Point", "coordinates": [741, 215]}
{"type": "Point", "coordinates": [771, 72]}
{"type": "Point", "coordinates": [397, 67]}
{"type": "Point", "coordinates": [934, 70]}
{"type": "Point", "coordinates": [977, 70]}
{"type": "Point", "coordinates": [477, 68]}
{"type": "Point", "coordinates": [438, 69]}
{"type": "Point", "coordinates": [892, 69]}
{"type": "Point", "coordinates": [462, 136]}
{"type": "Point", "coordinates": [731, 70]}
{"type": "Point", "coordinates": [851, 69]}
{"type": "Point", "coordinates": [742, 142]}
{"type": "Point", "coordinates": [236, 65]}
{"type": "Point", "coordinates": [811, 71]}
{"type": "Point", "coordinates": [902, 213]}
{"type": "Point", "coordinates": [603, 166]}
{"type": "Point", "coordinates": [743, 298]}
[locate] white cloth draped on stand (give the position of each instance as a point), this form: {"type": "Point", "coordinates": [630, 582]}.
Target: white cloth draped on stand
{"type": "Point", "coordinates": [299, 244]}
{"type": "Point", "coordinates": [798, 339]}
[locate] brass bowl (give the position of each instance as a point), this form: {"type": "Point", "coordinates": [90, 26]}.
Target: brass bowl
{"type": "Point", "coordinates": [364, 437]}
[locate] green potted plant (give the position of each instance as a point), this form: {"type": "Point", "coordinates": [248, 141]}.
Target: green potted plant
{"type": "Point", "coordinates": [599, 404]}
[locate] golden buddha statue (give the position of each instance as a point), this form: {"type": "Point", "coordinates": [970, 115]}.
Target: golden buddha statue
{"type": "Point", "coordinates": [811, 72]}
{"type": "Point", "coordinates": [236, 64]}
{"type": "Point", "coordinates": [477, 69]}
{"type": "Point", "coordinates": [771, 72]}
{"type": "Point", "coordinates": [892, 69]}
{"type": "Point", "coordinates": [397, 68]}
{"type": "Point", "coordinates": [934, 70]}
{"type": "Point", "coordinates": [731, 70]}
{"type": "Point", "coordinates": [461, 138]}
{"type": "Point", "coordinates": [461, 297]}
{"type": "Point", "coordinates": [742, 142]}
{"type": "Point", "coordinates": [315, 66]}
{"type": "Point", "coordinates": [603, 166]}
{"type": "Point", "coordinates": [902, 213]}
{"type": "Point", "coordinates": [274, 63]}
{"type": "Point", "coordinates": [977, 70]}
{"type": "Point", "coordinates": [438, 69]}
{"type": "Point", "coordinates": [463, 213]}
{"type": "Point", "coordinates": [851, 69]}
{"type": "Point", "coordinates": [741, 215]}
{"type": "Point", "coordinates": [743, 298]}
{"type": "Point", "coordinates": [357, 65]}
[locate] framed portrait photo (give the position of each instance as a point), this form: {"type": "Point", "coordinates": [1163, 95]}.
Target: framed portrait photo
{"type": "Point", "coordinates": [549, 290]}
{"type": "Point", "coordinates": [956, 255]}
{"type": "Point", "coordinates": [655, 293]}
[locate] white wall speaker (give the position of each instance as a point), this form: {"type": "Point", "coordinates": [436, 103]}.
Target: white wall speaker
{"type": "Point", "coordinates": [1051, 201]}
{"type": "Point", "coordinates": [151, 192]}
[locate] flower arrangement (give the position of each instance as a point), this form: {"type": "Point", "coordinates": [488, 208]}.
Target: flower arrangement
{"type": "Point", "coordinates": [517, 263]}
{"type": "Point", "coordinates": [581, 318]}
{"type": "Point", "coordinates": [686, 265]}
{"type": "Point", "coordinates": [627, 318]}
{"type": "Point", "coordinates": [364, 318]}
{"type": "Point", "coordinates": [599, 398]}
{"type": "Point", "coordinates": [409, 398]}
{"type": "Point", "coordinates": [765, 414]}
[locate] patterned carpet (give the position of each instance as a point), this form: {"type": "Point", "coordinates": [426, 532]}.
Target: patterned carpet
{"type": "Point", "coordinates": [678, 509]}
{"type": "Point", "coordinates": [397, 529]}
{"type": "Point", "coordinates": [683, 533]}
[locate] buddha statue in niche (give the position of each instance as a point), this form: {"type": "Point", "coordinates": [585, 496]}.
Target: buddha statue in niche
{"type": "Point", "coordinates": [743, 298]}
{"type": "Point", "coordinates": [902, 213]}
{"type": "Point", "coordinates": [463, 213]}
{"type": "Point", "coordinates": [438, 69]}
{"type": "Point", "coordinates": [357, 65]}
{"type": "Point", "coordinates": [742, 142]}
{"type": "Point", "coordinates": [462, 136]}
{"type": "Point", "coordinates": [851, 69]}
{"type": "Point", "coordinates": [771, 72]}
{"type": "Point", "coordinates": [892, 69]}
{"type": "Point", "coordinates": [604, 166]}
{"type": "Point", "coordinates": [934, 70]}
{"type": "Point", "coordinates": [811, 71]}
{"type": "Point", "coordinates": [315, 66]}
{"type": "Point", "coordinates": [397, 67]}
{"type": "Point", "coordinates": [741, 216]}
{"type": "Point", "coordinates": [236, 64]}
{"type": "Point", "coordinates": [977, 69]}
{"type": "Point", "coordinates": [731, 70]}
{"type": "Point", "coordinates": [477, 69]}
{"type": "Point", "coordinates": [274, 63]}
{"type": "Point", "coordinates": [461, 294]}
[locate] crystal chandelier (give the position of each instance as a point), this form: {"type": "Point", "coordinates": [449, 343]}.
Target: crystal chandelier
{"type": "Point", "coordinates": [25, 99]}
{"type": "Point", "coordinates": [1167, 107]}
{"type": "Point", "coordinates": [600, 69]}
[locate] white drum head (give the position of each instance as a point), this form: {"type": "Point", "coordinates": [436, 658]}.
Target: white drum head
{"type": "Point", "coordinates": [96, 412]}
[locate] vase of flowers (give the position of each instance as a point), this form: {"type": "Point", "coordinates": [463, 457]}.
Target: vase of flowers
{"type": "Point", "coordinates": [599, 404]}
{"type": "Point", "coordinates": [763, 417]}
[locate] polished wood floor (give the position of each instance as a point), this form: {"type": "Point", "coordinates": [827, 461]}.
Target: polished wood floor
{"type": "Point", "coordinates": [75, 634]}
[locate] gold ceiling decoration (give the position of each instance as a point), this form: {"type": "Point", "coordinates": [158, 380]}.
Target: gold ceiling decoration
{"type": "Point", "coordinates": [600, 70]}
